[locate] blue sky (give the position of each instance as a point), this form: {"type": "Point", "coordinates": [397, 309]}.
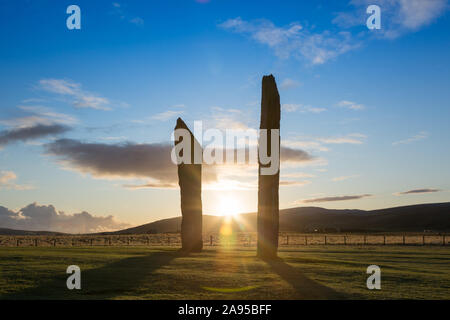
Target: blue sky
{"type": "Point", "coordinates": [371, 106]}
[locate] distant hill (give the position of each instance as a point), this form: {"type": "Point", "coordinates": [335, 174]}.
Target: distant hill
{"type": "Point", "coordinates": [13, 232]}
{"type": "Point", "coordinates": [416, 218]}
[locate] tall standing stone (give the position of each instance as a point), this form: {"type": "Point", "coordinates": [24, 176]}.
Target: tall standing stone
{"type": "Point", "coordinates": [268, 185]}
{"type": "Point", "coordinates": [190, 181]}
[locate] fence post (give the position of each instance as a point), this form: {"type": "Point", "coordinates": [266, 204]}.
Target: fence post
{"type": "Point", "coordinates": [443, 240]}
{"type": "Point", "coordinates": [17, 242]}
{"type": "Point", "coordinates": [345, 240]}
{"type": "Point", "coordinates": [54, 242]}
{"type": "Point", "coordinates": [35, 242]}
{"type": "Point", "coordinates": [168, 239]}
{"type": "Point", "coordinates": [306, 240]}
{"type": "Point", "coordinates": [91, 242]}
{"type": "Point", "coordinates": [404, 240]}
{"type": "Point", "coordinates": [287, 240]}
{"type": "Point", "coordinates": [423, 240]}
{"type": "Point", "coordinates": [365, 239]}
{"type": "Point", "coordinates": [384, 240]}
{"type": "Point", "coordinates": [211, 240]}
{"type": "Point", "coordinates": [325, 239]}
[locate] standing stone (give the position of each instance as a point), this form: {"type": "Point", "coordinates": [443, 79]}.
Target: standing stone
{"type": "Point", "coordinates": [268, 185]}
{"type": "Point", "coordinates": [190, 181]}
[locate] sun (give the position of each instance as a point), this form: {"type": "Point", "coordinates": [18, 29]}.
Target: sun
{"type": "Point", "coordinates": [229, 206]}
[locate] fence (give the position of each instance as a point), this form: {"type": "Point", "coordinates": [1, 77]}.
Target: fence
{"type": "Point", "coordinates": [237, 239]}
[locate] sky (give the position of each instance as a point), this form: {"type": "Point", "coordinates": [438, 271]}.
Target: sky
{"type": "Point", "coordinates": [86, 115]}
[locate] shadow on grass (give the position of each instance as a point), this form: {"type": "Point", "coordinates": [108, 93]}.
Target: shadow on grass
{"type": "Point", "coordinates": [110, 281]}
{"type": "Point", "coordinates": [304, 287]}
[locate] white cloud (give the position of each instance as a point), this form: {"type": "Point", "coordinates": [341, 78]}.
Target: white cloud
{"type": "Point", "coordinates": [418, 13]}
{"type": "Point", "coordinates": [398, 17]}
{"type": "Point", "coordinates": [320, 143]}
{"type": "Point", "coordinates": [80, 98]}
{"type": "Point", "coordinates": [289, 84]}
{"type": "Point", "coordinates": [417, 137]}
{"type": "Point", "coordinates": [350, 105]}
{"type": "Point", "coordinates": [293, 40]}
{"type": "Point", "coordinates": [291, 107]}
{"type": "Point", "coordinates": [167, 115]}
{"type": "Point", "coordinates": [231, 119]}
{"type": "Point", "coordinates": [137, 21]}
{"type": "Point", "coordinates": [60, 86]}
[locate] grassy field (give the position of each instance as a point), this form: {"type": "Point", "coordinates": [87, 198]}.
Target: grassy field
{"type": "Point", "coordinates": [315, 272]}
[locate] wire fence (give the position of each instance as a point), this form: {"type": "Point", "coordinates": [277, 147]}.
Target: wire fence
{"type": "Point", "coordinates": [234, 240]}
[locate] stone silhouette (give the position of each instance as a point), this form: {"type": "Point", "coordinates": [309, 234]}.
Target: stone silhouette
{"type": "Point", "coordinates": [268, 185]}
{"type": "Point", "coordinates": [190, 181]}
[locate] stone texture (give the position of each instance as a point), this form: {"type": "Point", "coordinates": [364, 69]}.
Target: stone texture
{"type": "Point", "coordinates": [268, 185]}
{"type": "Point", "coordinates": [190, 181]}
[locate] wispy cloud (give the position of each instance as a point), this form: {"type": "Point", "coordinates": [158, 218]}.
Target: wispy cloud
{"type": "Point", "coordinates": [305, 143]}
{"type": "Point", "coordinates": [297, 175]}
{"type": "Point", "coordinates": [7, 181]}
{"type": "Point", "coordinates": [289, 84]}
{"type": "Point", "coordinates": [30, 133]}
{"type": "Point", "coordinates": [150, 185]}
{"type": "Point", "coordinates": [323, 143]}
{"type": "Point", "coordinates": [291, 107]}
{"type": "Point", "coordinates": [137, 21]}
{"type": "Point", "coordinates": [343, 178]}
{"type": "Point", "coordinates": [353, 138]}
{"type": "Point", "coordinates": [118, 9]}
{"type": "Point", "coordinates": [294, 40]}
{"type": "Point", "coordinates": [288, 183]}
{"type": "Point", "coordinates": [332, 199]}
{"type": "Point", "coordinates": [399, 17]}
{"type": "Point", "coordinates": [167, 115]}
{"type": "Point", "coordinates": [417, 191]}
{"type": "Point", "coordinates": [231, 119]}
{"type": "Point", "coordinates": [172, 112]}
{"type": "Point", "coordinates": [417, 137]}
{"type": "Point", "coordinates": [350, 105]}
{"type": "Point", "coordinates": [34, 115]}
{"type": "Point", "coordinates": [79, 97]}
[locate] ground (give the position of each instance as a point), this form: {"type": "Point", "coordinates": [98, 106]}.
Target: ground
{"type": "Point", "coordinates": [316, 272]}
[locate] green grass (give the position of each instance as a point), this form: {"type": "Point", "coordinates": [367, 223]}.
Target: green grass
{"type": "Point", "coordinates": [317, 272]}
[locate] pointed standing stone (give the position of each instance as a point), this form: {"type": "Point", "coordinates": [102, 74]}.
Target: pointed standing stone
{"type": "Point", "coordinates": [268, 185]}
{"type": "Point", "coordinates": [190, 181]}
